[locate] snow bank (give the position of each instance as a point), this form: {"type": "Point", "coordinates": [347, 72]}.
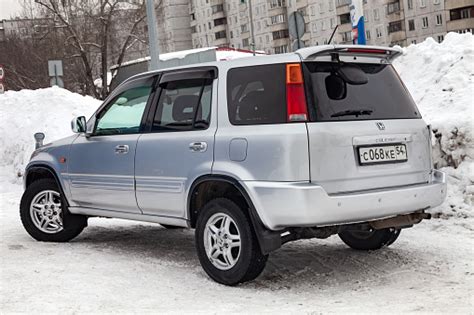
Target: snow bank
{"type": "Point", "coordinates": [440, 79]}
{"type": "Point", "coordinates": [25, 112]}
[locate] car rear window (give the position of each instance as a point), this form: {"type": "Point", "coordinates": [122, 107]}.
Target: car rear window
{"type": "Point", "coordinates": [257, 95]}
{"type": "Point", "coordinates": [383, 96]}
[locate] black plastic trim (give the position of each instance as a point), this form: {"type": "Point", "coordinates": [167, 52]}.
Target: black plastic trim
{"type": "Point", "coordinates": [52, 171]}
{"type": "Point", "coordinates": [268, 240]}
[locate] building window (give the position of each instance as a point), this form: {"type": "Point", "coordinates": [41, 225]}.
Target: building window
{"type": "Point", "coordinates": [280, 18]}
{"type": "Point", "coordinates": [440, 38]}
{"type": "Point", "coordinates": [220, 35]}
{"type": "Point", "coordinates": [411, 25]}
{"type": "Point", "coordinates": [346, 36]}
{"type": "Point", "coordinates": [376, 14]}
{"type": "Point", "coordinates": [280, 34]}
{"type": "Point", "coordinates": [461, 13]}
{"type": "Point", "coordinates": [378, 32]}
{"type": "Point", "coordinates": [393, 7]}
{"type": "Point", "coordinates": [410, 4]}
{"type": "Point", "coordinates": [244, 28]}
{"type": "Point", "coordinates": [193, 29]}
{"type": "Point", "coordinates": [395, 27]}
{"type": "Point", "coordinates": [245, 42]}
{"type": "Point", "coordinates": [439, 19]}
{"type": "Point", "coordinates": [220, 21]}
{"type": "Point", "coordinates": [345, 18]}
{"type": "Point", "coordinates": [424, 22]}
{"type": "Point", "coordinates": [367, 34]}
{"type": "Point", "coordinates": [413, 41]}
{"type": "Point", "coordinates": [281, 49]}
{"type": "Point", "coordinates": [217, 8]}
{"type": "Point", "coordinates": [436, 1]}
{"type": "Point", "coordinates": [277, 3]}
{"type": "Point", "coordinates": [422, 3]}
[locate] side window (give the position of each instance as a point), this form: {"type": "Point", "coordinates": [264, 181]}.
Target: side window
{"type": "Point", "coordinates": [257, 95]}
{"type": "Point", "coordinates": [184, 105]}
{"type": "Point", "coordinates": [123, 115]}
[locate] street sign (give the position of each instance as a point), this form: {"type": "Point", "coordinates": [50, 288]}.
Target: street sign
{"type": "Point", "coordinates": [296, 26]}
{"type": "Point", "coordinates": [55, 68]}
{"type": "Point", "coordinates": [2, 88]}
{"type": "Point", "coordinates": [2, 73]}
{"type": "Point", "coordinates": [57, 81]}
{"type": "Point", "coordinates": [297, 44]}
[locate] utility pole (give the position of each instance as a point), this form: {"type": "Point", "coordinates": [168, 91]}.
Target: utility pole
{"type": "Point", "coordinates": [252, 34]}
{"type": "Point", "coordinates": [152, 35]}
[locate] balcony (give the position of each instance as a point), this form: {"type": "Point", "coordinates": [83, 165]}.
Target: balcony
{"type": "Point", "coordinates": [461, 24]}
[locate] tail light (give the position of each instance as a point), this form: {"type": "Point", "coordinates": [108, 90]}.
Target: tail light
{"type": "Point", "coordinates": [295, 96]}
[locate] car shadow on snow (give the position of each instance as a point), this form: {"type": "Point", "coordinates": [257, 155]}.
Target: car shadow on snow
{"type": "Point", "coordinates": [314, 263]}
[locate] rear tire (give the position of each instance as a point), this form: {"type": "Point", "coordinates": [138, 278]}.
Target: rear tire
{"type": "Point", "coordinates": [369, 240]}
{"type": "Point", "coordinates": [226, 244]}
{"type": "Point", "coordinates": [44, 213]}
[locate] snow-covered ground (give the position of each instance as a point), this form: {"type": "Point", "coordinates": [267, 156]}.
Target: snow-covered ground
{"type": "Point", "coordinates": [120, 266]}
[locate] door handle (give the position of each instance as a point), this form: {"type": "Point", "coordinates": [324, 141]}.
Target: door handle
{"type": "Point", "coordinates": [121, 149]}
{"type": "Point", "coordinates": [198, 146]}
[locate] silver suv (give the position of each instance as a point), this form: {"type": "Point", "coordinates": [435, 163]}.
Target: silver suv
{"type": "Point", "coordinates": [251, 153]}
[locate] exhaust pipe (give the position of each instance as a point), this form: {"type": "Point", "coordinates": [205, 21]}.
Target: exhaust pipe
{"type": "Point", "coordinates": [400, 221]}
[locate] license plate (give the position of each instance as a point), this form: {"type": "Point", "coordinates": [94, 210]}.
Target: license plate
{"type": "Point", "coordinates": [383, 154]}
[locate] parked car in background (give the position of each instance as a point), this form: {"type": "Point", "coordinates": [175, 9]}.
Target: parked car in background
{"type": "Point", "coordinates": [251, 153]}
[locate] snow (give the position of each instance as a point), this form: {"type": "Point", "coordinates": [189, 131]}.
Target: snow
{"type": "Point", "coordinates": [25, 112]}
{"type": "Point", "coordinates": [131, 267]}
{"type": "Point", "coordinates": [440, 78]}
{"type": "Point", "coordinates": [222, 54]}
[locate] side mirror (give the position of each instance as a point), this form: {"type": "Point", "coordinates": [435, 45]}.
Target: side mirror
{"type": "Point", "coordinates": [79, 124]}
{"type": "Point", "coordinates": [39, 137]}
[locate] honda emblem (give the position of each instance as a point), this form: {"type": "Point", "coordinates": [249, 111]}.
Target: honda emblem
{"type": "Point", "coordinates": [380, 125]}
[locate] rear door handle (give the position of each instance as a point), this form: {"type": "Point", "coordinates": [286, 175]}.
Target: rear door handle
{"type": "Point", "coordinates": [121, 149]}
{"type": "Point", "coordinates": [198, 146]}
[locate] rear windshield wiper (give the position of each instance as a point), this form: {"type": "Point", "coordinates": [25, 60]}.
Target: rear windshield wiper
{"type": "Point", "coordinates": [353, 112]}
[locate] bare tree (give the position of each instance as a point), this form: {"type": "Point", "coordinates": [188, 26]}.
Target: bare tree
{"type": "Point", "coordinates": [87, 27]}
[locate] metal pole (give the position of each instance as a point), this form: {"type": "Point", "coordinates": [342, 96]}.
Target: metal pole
{"type": "Point", "coordinates": [252, 35]}
{"type": "Point", "coordinates": [152, 35]}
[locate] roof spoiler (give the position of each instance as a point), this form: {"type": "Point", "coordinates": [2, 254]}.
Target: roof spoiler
{"type": "Point", "coordinates": [358, 50]}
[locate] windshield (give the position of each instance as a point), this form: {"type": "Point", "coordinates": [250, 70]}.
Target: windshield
{"type": "Point", "coordinates": [332, 98]}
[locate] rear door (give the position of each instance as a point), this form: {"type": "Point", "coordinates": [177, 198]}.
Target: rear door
{"type": "Point", "coordinates": [179, 144]}
{"type": "Point", "coordinates": [364, 136]}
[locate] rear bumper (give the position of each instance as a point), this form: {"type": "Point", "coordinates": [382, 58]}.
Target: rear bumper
{"type": "Point", "coordinates": [290, 204]}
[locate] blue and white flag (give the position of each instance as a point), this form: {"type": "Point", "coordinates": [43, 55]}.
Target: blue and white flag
{"type": "Point", "coordinates": [357, 18]}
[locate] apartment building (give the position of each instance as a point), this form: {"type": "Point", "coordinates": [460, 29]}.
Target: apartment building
{"type": "Point", "coordinates": [387, 22]}
{"type": "Point", "coordinates": [226, 23]}
{"type": "Point", "coordinates": [173, 25]}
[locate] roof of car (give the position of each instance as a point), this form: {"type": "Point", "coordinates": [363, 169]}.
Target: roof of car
{"type": "Point", "coordinates": [388, 53]}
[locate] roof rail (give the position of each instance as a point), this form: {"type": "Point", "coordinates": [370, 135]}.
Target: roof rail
{"type": "Point", "coordinates": [388, 53]}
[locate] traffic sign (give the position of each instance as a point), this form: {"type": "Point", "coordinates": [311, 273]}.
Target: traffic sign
{"type": "Point", "coordinates": [55, 68]}
{"type": "Point", "coordinates": [57, 81]}
{"type": "Point", "coordinates": [297, 44]}
{"type": "Point", "coordinates": [296, 26]}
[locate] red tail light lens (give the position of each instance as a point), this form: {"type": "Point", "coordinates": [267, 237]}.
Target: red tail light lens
{"type": "Point", "coordinates": [295, 96]}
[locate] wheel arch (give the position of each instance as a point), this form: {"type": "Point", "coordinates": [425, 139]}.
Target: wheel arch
{"type": "Point", "coordinates": [214, 186]}
{"type": "Point", "coordinates": [39, 171]}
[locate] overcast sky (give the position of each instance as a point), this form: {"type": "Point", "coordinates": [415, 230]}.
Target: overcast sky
{"type": "Point", "coordinates": [9, 8]}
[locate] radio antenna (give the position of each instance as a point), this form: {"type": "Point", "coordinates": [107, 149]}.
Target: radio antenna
{"type": "Point", "coordinates": [332, 35]}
